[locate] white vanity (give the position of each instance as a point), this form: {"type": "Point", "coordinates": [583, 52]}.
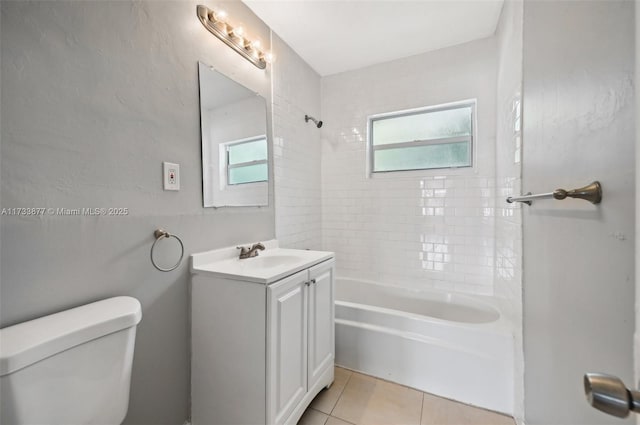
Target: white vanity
{"type": "Point", "coordinates": [262, 333]}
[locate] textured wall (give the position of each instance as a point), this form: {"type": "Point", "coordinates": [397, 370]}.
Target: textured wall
{"type": "Point", "coordinates": [637, 238]}
{"type": "Point", "coordinates": [95, 95]}
{"type": "Point", "coordinates": [579, 258]}
{"type": "Point", "coordinates": [429, 228]}
{"type": "Point", "coordinates": [296, 150]}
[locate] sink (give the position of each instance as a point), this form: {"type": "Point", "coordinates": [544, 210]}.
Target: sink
{"type": "Point", "coordinates": [266, 261]}
{"type": "Point", "coordinates": [270, 265]}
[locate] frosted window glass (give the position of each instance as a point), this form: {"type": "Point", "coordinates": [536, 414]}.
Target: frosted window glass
{"type": "Point", "coordinates": [434, 137]}
{"type": "Point", "coordinates": [421, 157]}
{"type": "Point", "coordinates": [423, 126]}
{"type": "Point", "coordinates": [247, 152]}
{"type": "Point", "coordinates": [248, 174]}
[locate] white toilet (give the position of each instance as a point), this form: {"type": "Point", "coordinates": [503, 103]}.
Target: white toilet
{"type": "Point", "coordinates": [72, 367]}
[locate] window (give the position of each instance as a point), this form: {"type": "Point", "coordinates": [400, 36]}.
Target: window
{"type": "Point", "coordinates": [422, 139]}
{"type": "Point", "coordinates": [247, 161]}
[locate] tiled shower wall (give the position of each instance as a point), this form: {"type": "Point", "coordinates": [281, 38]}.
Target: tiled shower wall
{"type": "Point", "coordinates": [296, 150]}
{"type": "Point", "coordinates": [420, 228]}
{"type": "Point", "coordinates": [509, 153]}
{"type": "Point", "coordinates": [508, 220]}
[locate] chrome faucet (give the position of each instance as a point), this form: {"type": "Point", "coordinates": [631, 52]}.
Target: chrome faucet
{"type": "Point", "coordinates": [246, 252]}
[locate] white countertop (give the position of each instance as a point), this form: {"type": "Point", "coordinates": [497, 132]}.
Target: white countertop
{"type": "Point", "coordinates": [270, 265]}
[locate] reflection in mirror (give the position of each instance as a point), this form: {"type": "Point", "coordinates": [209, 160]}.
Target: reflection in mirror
{"type": "Point", "coordinates": [235, 170]}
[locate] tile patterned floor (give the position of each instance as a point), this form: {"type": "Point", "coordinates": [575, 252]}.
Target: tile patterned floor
{"type": "Point", "coordinates": [359, 399]}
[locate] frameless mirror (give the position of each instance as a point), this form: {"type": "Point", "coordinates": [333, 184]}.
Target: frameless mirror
{"type": "Point", "coordinates": [233, 122]}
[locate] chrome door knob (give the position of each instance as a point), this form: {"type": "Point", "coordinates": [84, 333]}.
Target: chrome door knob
{"type": "Point", "coordinates": [609, 394]}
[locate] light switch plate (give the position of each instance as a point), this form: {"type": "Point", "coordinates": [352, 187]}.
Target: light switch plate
{"type": "Point", "coordinates": [171, 173]}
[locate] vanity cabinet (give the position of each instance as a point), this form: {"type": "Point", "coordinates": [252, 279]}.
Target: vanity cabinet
{"type": "Point", "coordinates": [300, 338]}
{"type": "Point", "coordinates": [261, 351]}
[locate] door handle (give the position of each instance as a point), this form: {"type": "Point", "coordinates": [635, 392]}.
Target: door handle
{"type": "Point", "coordinates": [609, 394]}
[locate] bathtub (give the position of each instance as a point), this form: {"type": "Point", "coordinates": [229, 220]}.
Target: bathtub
{"type": "Point", "coordinates": [445, 344]}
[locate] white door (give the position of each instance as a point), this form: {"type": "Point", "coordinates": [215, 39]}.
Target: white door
{"type": "Point", "coordinates": [578, 262]}
{"type": "Point", "coordinates": [287, 351]}
{"type": "Point", "coordinates": [321, 320]}
{"type": "Point", "coordinates": [609, 393]}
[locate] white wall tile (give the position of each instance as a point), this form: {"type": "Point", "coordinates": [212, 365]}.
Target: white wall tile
{"type": "Point", "coordinates": [296, 152]}
{"type": "Point", "coordinates": [447, 230]}
{"type": "Point", "coordinates": [508, 220]}
{"type": "Point", "coordinates": [413, 227]}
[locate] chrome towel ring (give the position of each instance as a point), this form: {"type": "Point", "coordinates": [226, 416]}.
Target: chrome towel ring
{"type": "Point", "coordinates": [162, 234]}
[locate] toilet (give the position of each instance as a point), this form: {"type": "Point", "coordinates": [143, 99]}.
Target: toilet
{"type": "Point", "coordinates": [72, 367]}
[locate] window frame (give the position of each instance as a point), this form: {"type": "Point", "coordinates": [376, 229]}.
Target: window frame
{"type": "Point", "coordinates": [229, 167]}
{"type": "Point", "coordinates": [371, 149]}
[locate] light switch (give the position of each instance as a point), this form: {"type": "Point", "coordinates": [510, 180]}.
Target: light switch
{"type": "Point", "coordinates": [171, 176]}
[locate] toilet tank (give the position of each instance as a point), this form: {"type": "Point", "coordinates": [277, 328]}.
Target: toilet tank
{"type": "Point", "coordinates": [72, 367]}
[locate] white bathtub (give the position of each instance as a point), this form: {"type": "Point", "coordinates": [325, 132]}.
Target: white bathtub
{"type": "Point", "coordinates": [450, 345]}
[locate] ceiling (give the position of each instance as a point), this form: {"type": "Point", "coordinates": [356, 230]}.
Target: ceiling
{"type": "Point", "coordinates": [335, 36]}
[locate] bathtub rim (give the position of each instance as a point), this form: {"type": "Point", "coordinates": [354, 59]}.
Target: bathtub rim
{"type": "Point", "coordinates": [501, 324]}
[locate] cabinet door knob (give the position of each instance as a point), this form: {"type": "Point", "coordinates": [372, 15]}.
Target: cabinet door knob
{"type": "Point", "coordinates": [313, 281]}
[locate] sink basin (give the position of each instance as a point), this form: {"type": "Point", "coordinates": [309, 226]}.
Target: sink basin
{"type": "Point", "coordinates": [267, 261]}
{"type": "Point", "coordinates": [270, 265]}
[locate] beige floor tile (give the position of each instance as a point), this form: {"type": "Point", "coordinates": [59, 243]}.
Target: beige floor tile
{"type": "Point", "coordinates": [326, 400]}
{"type": "Point", "coordinates": [440, 411]}
{"type": "Point", "coordinates": [336, 421]}
{"type": "Point", "coordinates": [313, 417]}
{"type": "Point", "coordinates": [370, 401]}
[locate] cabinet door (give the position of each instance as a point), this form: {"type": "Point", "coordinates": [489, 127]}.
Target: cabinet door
{"type": "Point", "coordinates": [321, 320]}
{"type": "Point", "coordinates": [287, 342]}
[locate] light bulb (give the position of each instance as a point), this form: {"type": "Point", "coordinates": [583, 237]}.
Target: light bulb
{"type": "Point", "coordinates": [239, 31]}
{"type": "Point", "coordinates": [235, 33]}
{"type": "Point", "coordinates": [268, 57]}
{"type": "Point", "coordinates": [253, 46]}
{"type": "Point", "coordinates": [216, 17]}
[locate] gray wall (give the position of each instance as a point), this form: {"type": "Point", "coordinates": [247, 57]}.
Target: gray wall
{"type": "Point", "coordinates": [578, 258]}
{"type": "Point", "coordinates": [95, 95]}
{"type": "Point", "coordinates": [636, 355]}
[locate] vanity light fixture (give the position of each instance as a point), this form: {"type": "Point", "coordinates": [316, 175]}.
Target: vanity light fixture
{"type": "Point", "coordinates": [233, 37]}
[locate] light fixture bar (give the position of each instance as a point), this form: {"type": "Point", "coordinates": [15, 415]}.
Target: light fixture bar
{"type": "Point", "coordinates": [232, 37]}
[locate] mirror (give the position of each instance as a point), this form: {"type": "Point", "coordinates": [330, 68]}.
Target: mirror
{"type": "Point", "coordinates": [233, 123]}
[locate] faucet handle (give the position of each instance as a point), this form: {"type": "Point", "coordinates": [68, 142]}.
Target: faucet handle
{"type": "Point", "coordinates": [259, 246]}
{"type": "Point", "coordinates": [243, 249]}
